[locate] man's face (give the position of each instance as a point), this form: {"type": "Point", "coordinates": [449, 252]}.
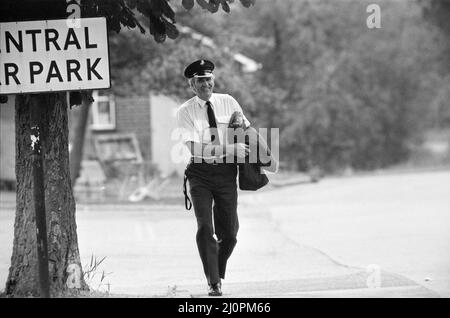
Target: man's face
{"type": "Point", "coordinates": [203, 87]}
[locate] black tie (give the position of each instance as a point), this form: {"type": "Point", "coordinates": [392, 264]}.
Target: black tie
{"type": "Point", "coordinates": [212, 122]}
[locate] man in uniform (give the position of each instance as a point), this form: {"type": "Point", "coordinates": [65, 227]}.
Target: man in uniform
{"type": "Point", "coordinates": [204, 120]}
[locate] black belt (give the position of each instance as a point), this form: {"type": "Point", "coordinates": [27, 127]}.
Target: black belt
{"type": "Point", "coordinates": [201, 160]}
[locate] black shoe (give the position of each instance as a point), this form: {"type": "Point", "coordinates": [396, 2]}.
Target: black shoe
{"type": "Point", "coordinates": [215, 289]}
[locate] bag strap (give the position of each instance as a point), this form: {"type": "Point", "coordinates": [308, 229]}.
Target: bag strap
{"type": "Point", "coordinates": [186, 196]}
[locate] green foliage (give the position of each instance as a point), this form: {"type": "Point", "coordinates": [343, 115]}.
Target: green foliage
{"type": "Point", "coordinates": [159, 14]}
{"type": "Point", "coordinates": [119, 13]}
{"type": "Point", "coordinates": [94, 277]}
{"type": "Point", "coordinates": [158, 68]}
{"type": "Point", "coordinates": [364, 100]}
{"type": "Point", "coordinates": [342, 94]}
{"type": "Point", "coordinates": [213, 5]}
{"type": "Point", "coordinates": [437, 11]}
{"type": "Point", "coordinates": [13, 10]}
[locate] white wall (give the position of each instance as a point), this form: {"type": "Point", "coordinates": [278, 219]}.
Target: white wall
{"type": "Point", "coordinates": [7, 141]}
{"type": "Point", "coordinates": [170, 155]}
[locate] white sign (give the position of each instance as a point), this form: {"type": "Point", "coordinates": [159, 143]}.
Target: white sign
{"type": "Point", "coordinates": [46, 56]}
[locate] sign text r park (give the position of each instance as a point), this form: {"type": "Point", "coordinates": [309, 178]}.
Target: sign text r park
{"type": "Point", "coordinates": [43, 56]}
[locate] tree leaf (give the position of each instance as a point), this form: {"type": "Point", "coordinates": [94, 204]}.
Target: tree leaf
{"type": "Point", "coordinates": [131, 4]}
{"type": "Point", "coordinates": [226, 7]}
{"type": "Point", "coordinates": [248, 3]}
{"type": "Point", "coordinates": [157, 29]}
{"type": "Point", "coordinates": [162, 7]}
{"type": "Point", "coordinates": [171, 30]}
{"type": "Point", "coordinates": [213, 6]}
{"type": "Point", "coordinates": [188, 4]}
{"type": "Point", "coordinates": [203, 4]}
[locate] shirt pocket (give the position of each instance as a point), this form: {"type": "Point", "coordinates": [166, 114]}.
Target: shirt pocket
{"type": "Point", "coordinates": [202, 129]}
{"type": "Point", "coordinates": [223, 120]}
{"type": "Point", "coordinates": [222, 124]}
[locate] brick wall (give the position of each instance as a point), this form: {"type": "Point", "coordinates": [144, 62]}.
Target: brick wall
{"type": "Point", "coordinates": [132, 116]}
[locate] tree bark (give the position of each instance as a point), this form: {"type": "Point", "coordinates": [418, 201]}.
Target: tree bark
{"type": "Point", "coordinates": [65, 269]}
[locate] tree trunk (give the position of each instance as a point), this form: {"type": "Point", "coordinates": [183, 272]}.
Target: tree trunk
{"type": "Point", "coordinates": [76, 155]}
{"type": "Point", "coordinates": [65, 269]}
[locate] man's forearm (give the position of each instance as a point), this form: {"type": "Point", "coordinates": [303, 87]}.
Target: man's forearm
{"type": "Point", "coordinates": [206, 150]}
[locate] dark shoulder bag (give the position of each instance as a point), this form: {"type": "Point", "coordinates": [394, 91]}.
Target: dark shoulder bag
{"type": "Point", "coordinates": [250, 176]}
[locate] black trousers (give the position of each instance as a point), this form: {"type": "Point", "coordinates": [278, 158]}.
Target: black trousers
{"type": "Point", "coordinates": [213, 192]}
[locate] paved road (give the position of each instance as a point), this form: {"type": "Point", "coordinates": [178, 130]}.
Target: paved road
{"type": "Point", "coordinates": [335, 238]}
{"type": "Point", "coordinates": [398, 223]}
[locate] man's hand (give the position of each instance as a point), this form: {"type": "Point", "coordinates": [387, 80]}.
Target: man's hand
{"type": "Point", "coordinates": [239, 150]}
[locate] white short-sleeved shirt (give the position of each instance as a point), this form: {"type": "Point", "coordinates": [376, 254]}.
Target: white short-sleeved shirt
{"type": "Point", "coordinates": [192, 118]}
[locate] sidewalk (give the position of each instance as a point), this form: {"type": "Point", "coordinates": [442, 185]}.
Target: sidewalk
{"type": "Point", "coordinates": [151, 252]}
{"type": "Point", "coordinates": [171, 196]}
{"type": "Point", "coordinates": [150, 249]}
{"type": "Point", "coordinates": [350, 285]}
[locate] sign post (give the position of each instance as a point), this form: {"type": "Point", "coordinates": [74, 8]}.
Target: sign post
{"type": "Point", "coordinates": [39, 199]}
{"type": "Point", "coordinates": [50, 56]}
